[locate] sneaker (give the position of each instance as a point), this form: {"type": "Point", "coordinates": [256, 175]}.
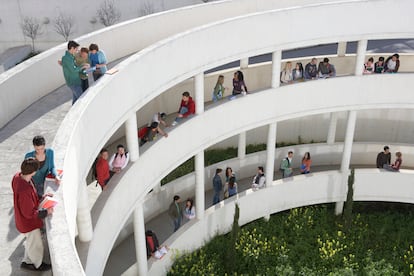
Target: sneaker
{"type": "Point", "coordinates": [27, 266]}
{"type": "Point", "coordinates": [42, 267]}
{"type": "Point", "coordinates": [174, 123]}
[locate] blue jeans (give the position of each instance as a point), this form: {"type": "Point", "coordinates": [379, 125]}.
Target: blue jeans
{"type": "Point", "coordinates": [177, 223]}
{"type": "Point", "coordinates": [183, 110]}
{"type": "Point", "coordinates": [76, 92]}
{"type": "Point", "coordinates": [216, 198]}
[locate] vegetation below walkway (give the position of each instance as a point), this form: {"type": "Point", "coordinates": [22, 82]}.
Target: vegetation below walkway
{"type": "Point", "coordinates": [312, 241]}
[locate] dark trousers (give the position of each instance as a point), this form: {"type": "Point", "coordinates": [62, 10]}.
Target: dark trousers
{"type": "Point", "coordinates": [84, 84]}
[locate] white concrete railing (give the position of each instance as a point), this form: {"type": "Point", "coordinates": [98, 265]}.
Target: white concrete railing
{"type": "Point", "coordinates": [44, 75]}
{"type": "Point", "coordinates": [322, 155]}
{"type": "Point", "coordinates": [347, 93]}
{"type": "Point", "coordinates": [72, 145]}
{"type": "Point", "coordinates": [302, 190]}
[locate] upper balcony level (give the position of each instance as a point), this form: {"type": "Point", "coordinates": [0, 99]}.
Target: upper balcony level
{"type": "Point", "coordinates": [170, 61]}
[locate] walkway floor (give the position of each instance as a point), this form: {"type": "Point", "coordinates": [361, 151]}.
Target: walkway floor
{"type": "Point", "coordinates": [44, 118]}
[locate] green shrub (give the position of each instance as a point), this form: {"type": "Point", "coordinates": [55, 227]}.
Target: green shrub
{"type": "Point", "coordinates": [313, 241]}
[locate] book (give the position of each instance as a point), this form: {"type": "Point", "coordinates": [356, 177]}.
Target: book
{"type": "Point", "coordinates": [48, 202]}
{"type": "Point", "coordinates": [59, 172]}
{"type": "Point", "coordinates": [111, 71]}
{"type": "Point", "coordinates": [160, 252]}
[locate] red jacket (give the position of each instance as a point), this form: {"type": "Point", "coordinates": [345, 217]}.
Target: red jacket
{"type": "Point", "coordinates": [102, 171]}
{"type": "Point", "coordinates": [190, 105]}
{"type": "Point", "coordinates": [26, 205]}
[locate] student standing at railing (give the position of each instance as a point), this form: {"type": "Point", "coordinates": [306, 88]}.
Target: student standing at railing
{"type": "Point", "coordinates": [297, 73]}
{"type": "Point", "coordinates": [311, 71]}
{"type": "Point", "coordinates": [239, 85]}
{"type": "Point", "coordinates": [306, 163]}
{"type": "Point", "coordinates": [392, 64]}
{"type": "Point", "coordinates": [98, 60]}
{"type": "Point", "coordinates": [286, 76]}
{"type": "Point", "coordinates": [397, 163]}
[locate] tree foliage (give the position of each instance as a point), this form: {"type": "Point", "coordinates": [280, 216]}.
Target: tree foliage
{"type": "Point", "coordinates": [108, 13]}
{"type": "Point", "coordinates": [63, 25]}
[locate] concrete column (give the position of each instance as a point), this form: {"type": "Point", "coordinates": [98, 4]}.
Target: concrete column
{"type": "Point", "coordinates": [199, 92]}
{"type": "Point", "coordinates": [140, 244]}
{"type": "Point", "coordinates": [199, 193]}
{"type": "Point", "coordinates": [131, 128]}
{"type": "Point", "coordinates": [332, 128]}
{"type": "Point", "coordinates": [241, 149]}
{"type": "Point", "coordinates": [346, 156]}
{"type": "Point", "coordinates": [83, 216]}
{"type": "Point", "coordinates": [276, 60]}
{"type": "Point", "coordinates": [244, 63]}
{"type": "Point", "coordinates": [360, 58]}
{"type": "Point", "coordinates": [341, 49]}
{"type": "Point", "coordinates": [270, 154]}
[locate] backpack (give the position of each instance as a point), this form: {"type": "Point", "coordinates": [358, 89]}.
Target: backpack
{"type": "Point", "coordinates": [142, 132]}
{"type": "Point", "coordinates": [151, 241]}
{"type": "Point", "coordinates": [94, 175]}
{"type": "Point", "coordinates": [281, 163]}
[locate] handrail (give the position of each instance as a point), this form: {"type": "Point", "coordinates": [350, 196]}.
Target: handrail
{"type": "Point", "coordinates": [44, 76]}
{"type": "Point", "coordinates": [347, 93]}
{"type": "Point", "coordinates": [80, 120]}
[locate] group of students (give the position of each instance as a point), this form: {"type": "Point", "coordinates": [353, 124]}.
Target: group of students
{"type": "Point", "coordinates": [390, 65]}
{"type": "Point", "coordinates": [104, 168]}
{"type": "Point", "coordinates": [312, 71]}
{"type": "Point", "coordinates": [28, 194]}
{"type": "Point", "coordinates": [176, 211]}
{"type": "Point", "coordinates": [384, 160]}
{"type": "Point", "coordinates": [77, 64]}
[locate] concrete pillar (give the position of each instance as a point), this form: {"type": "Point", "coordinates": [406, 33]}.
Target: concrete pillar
{"type": "Point", "coordinates": [199, 191]}
{"type": "Point", "coordinates": [360, 58]}
{"type": "Point", "coordinates": [199, 92]}
{"type": "Point", "coordinates": [244, 63]}
{"type": "Point", "coordinates": [276, 61]}
{"type": "Point", "coordinates": [140, 244]}
{"type": "Point", "coordinates": [270, 154]}
{"type": "Point", "coordinates": [332, 128]}
{"type": "Point", "coordinates": [83, 216]}
{"type": "Point", "coordinates": [341, 49]}
{"type": "Point", "coordinates": [241, 149]}
{"type": "Point", "coordinates": [131, 128]}
{"type": "Point", "coordinates": [346, 156]}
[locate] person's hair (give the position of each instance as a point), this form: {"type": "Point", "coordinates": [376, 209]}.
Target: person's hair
{"type": "Point", "coordinates": [176, 197]}
{"type": "Point", "coordinates": [186, 94]}
{"type": "Point", "coordinates": [371, 59]}
{"type": "Point", "coordinates": [29, 165]}
{"type": "Point", "coordinates": [289, 152]}
{"type": "Point", "coordinates": [191, 202]}
{"type": "Point", "coordinates": [231, 171]}
{"type": "Point", "coordinates": [163, 115]}
{"type": "Point", "coordinates": [306, 156]}
{"type": "Point", "coordinates": [120, 146]}
{"type": "Point", "coordinates": [396, 55]}
{"type": "Point", "coordinates": [398, 154]}
{"type": "Point", "coordinates": [39, 141]}
{"type": "Point", "coordinates": [386, 148]}
{"type": "Point", "coordinates": [286, 64]}
{"type": "Point", "coordinates": [314, 59]}
{"type": "Point", "coordinates": [381, 59]}
{"type": "Point", "coordinates": [232, 180]}
{"type": "Point", "coordinates": [300, 66]}
{"type": "Point", "coordinates": [72, 44]}
{"type": "Point", "coordinates": [103, 150]}
{"type": "Point", "coordinates": [154, 125]}
{"type": "Point", "coordinates": [240, 76]}
{"type": "Point", "coordinates": [326, 59]}
{"type": "Point", "coordinates": [261, 168]}
{"type": "Point", "coordinates": [84, 50]}
{"type": "Point", "coordinates": [219, 78]}
{"type": "Point", "coordinates": [93, 47]}
{"type": "Point", "coordinates": [218, 170]}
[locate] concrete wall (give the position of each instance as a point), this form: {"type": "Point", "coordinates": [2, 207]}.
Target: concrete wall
{"type": "Point", "coordinates": [324, 187]}
{"type": "Point", "coordinates": [75, 153]}
{"type": "Point", "coordinates": [84, 14]}
{"type": "Point", "coordinates": [16, 95]}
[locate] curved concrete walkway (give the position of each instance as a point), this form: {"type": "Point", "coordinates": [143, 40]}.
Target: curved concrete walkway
{"type": "Point", "coordinates": [43, 118]}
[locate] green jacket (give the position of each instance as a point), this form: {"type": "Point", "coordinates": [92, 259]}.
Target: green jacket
{"type": "Point", "coordinates": [71, 70]}
{"type": "Point", "coordinates": [286, 167]}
